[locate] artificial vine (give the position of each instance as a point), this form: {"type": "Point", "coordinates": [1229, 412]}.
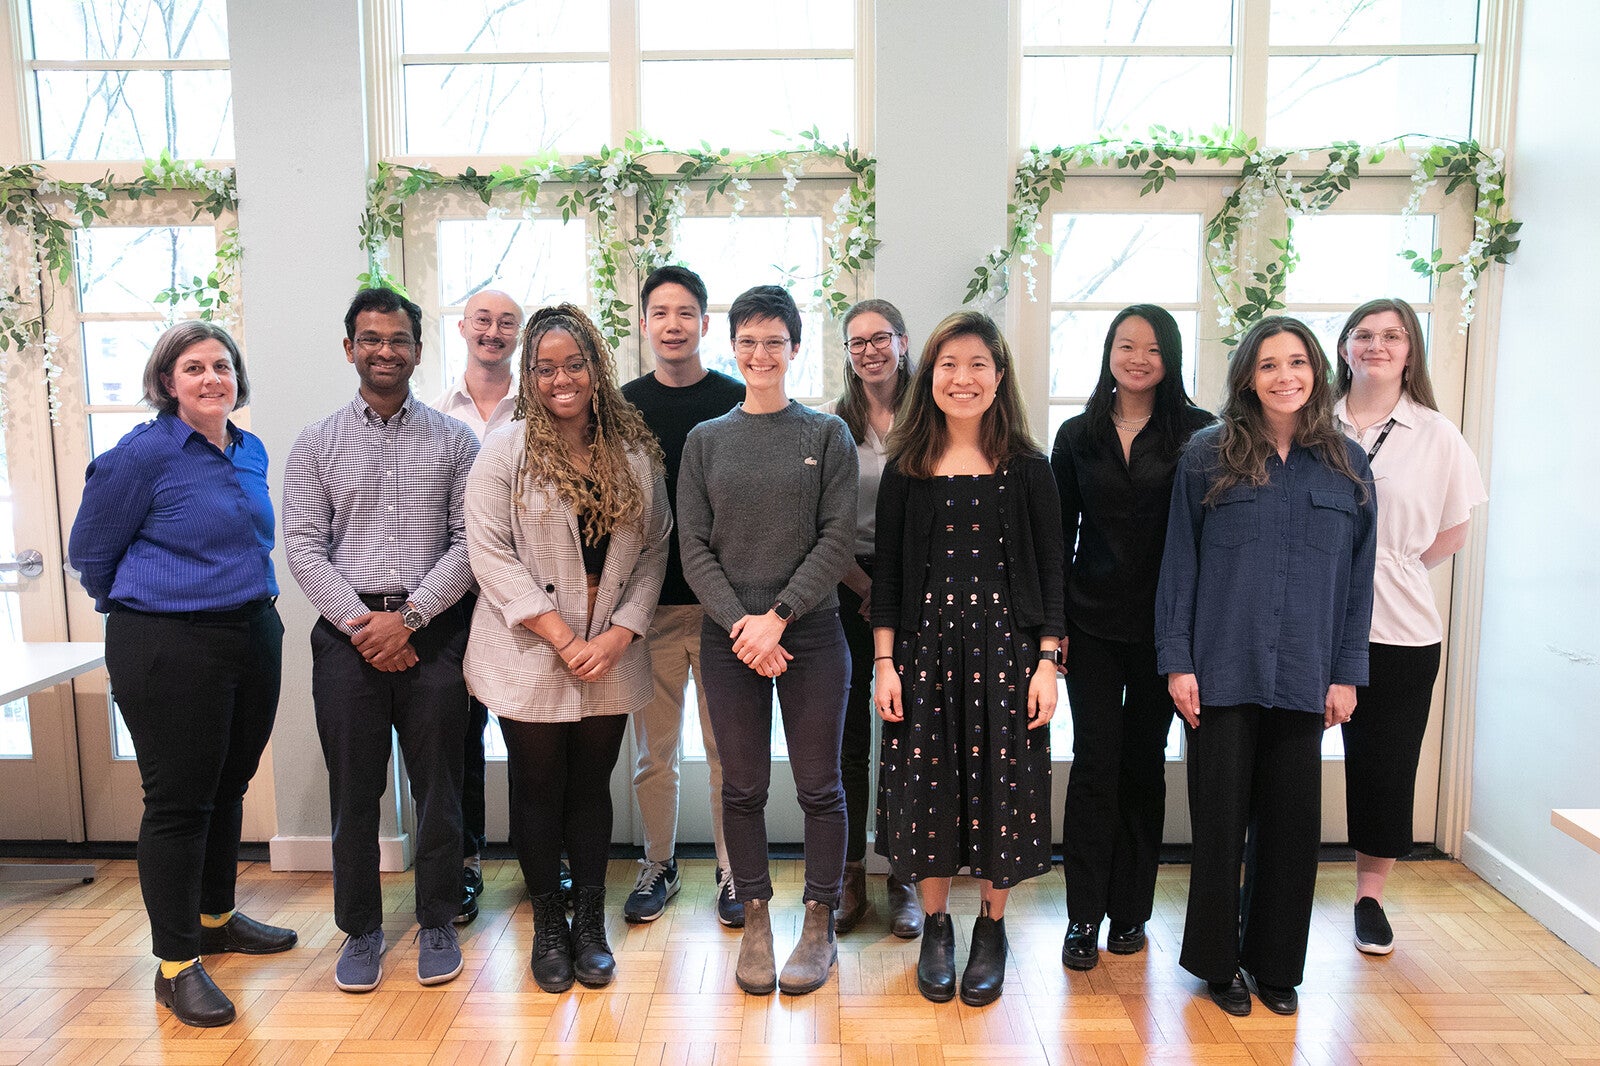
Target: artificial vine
{"type": "Point", "coordinates": [657, 180]}
{"type": "Point", "coordinates": [1246, 287]}
{"type": "Point", "coordinates": [39, 217]}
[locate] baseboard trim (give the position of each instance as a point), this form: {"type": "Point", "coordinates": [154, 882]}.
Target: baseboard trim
{"type": "Point", "coordinates": [316, 853]}
{"type": "Point", "coordinates": [1563, 917]}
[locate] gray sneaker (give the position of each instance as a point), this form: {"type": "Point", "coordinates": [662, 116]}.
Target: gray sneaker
{"type": "Point", "coordinates": [360, 965]}
{"type": "Point", "coordinates": [438, 955]}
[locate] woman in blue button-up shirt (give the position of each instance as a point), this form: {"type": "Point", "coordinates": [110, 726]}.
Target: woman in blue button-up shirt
{"type": "Point", "coordinates": [1262, 614]}
{"type": "Point", "coordinates": [174, 541]}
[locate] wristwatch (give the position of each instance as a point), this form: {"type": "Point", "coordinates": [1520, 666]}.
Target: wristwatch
{"type": "Point", "coordinates": [412, 618]}
{"type": "Point", "coordinates": [1054, 655]}
{"type": "Point", "coordinates": [782, 610]}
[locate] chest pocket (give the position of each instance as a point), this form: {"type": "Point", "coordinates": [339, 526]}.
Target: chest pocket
{"type": "Point", "coordinates": [1330, 523]}
{"type": "Point", "coordinates": [1235, 520]}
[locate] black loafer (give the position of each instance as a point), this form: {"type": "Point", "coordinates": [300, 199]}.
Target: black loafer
{"type": "Point", "coordinates": [243, 935]}
{"type": "Point", "coordinates": [1279, 999]}
{"type": "Point", "coordinates": [193, 998]}
{"type": "Point", "coordinates": [1125, 938]}
{"type": "Point", "coordinates": [1232, 996]}
{"type": "Point", "coordinates": [1080, 950]}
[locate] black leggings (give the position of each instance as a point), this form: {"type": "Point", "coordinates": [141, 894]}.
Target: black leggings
{"type": "Point", "coordinates": [560, 777]}
{"type": "Point", "coordinates": [1383, 747]}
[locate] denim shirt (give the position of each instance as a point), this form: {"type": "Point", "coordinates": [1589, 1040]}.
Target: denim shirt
{"type": "Point", "coordinates": [1266, 595]}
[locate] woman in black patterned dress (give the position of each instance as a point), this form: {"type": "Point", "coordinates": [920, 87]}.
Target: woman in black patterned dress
{"type": "Point", "coordinates": [967, 616]}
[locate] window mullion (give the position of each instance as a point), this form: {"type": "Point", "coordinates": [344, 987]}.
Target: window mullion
{"type": "Point", "coordinates": [385, 95]}
{"type": "Point", "coordinates": [1251, 29]}
{"type": "Point", "coordinates": [625, 72]}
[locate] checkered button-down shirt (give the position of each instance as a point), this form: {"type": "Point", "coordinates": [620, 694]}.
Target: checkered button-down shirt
{"type": "Point", "coordinates": [371, 507]}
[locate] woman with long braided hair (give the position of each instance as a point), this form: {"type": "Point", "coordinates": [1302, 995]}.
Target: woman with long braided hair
{"type": "Point", "coordinates": [567, 526]}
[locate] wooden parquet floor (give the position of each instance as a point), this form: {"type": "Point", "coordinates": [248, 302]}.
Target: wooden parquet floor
{"type": "Point", "coordinates": [1473, 980]}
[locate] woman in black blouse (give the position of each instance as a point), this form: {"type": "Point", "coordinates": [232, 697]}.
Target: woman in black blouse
{"type": "Point", "coordinates": [1113, 466]}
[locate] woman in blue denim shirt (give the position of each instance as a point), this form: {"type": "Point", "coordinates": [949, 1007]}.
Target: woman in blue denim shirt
{"type": "Point", "coordinates": [1262, 615]}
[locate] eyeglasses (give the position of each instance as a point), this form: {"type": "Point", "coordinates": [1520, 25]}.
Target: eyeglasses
{"type": "Point", "coordinates": [505, 323]}
{"type": "Point", "coordinates": [1389, 338]}
{"type": "Point", "coordinates": [573, 367]}
{"type": "Point", "coordinates": [880, 341]}
{"type": "Point", "coordinates": [371, 345]}
{"type": "Point", "coordinates": [770, 345]}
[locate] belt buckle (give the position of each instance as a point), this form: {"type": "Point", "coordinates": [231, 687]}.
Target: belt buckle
{"type": "Point", "coordinates": [394, 601]}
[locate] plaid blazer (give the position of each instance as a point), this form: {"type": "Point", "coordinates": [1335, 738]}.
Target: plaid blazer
{"type": "Point", "coordinates": [527, 560]}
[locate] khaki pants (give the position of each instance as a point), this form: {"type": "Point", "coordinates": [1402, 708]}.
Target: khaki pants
{"type": "Point", "coordinates": [674, 641]}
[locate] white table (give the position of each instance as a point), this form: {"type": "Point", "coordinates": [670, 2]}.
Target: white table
{"type": "Point", "coordinates": [1580, 824]}
{"type": "Point", "coordinates": [27, 668]}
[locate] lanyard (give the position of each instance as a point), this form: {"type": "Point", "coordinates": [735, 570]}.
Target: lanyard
{"type": "Point", "coordinates": [1372, 453]}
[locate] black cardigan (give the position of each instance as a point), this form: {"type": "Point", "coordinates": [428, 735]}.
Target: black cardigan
{"type": "Point", "coordinates": [1030, 530]}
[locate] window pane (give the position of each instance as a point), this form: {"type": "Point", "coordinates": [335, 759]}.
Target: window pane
{"type": "Point", "coordinates": [129, 29]}
{"type": "Point", "coordinates": [1148, 22]}
{"type": "Point", "coordinates": [713, 24]}
{"type": "Point", "coordinates": [1077, 347]}
{"type": "Point", "coordinates": [134, 114]}
{"type": "Point", "coordinates": [1071, 100]}
{"type": "Point", "coordinates": [1125, 258]}
{"type": "Point", "coordinates": [106, 429]}
{"type": "Point", "coordinates": [494, 26]}
{"type": "Point", "coordinates": [114, 356]}
{"type": "Point", "coordinates": [507, 108]}
{"type": "Point", "coordinates": [1348, 259]}
{"type": "Point", "coordinates": [121, 268]}
{"type": "Point", "coordinates": [1366, 22]}
{"type": "Point", "coordinates": [753, 98]}
{"type": "Point", "coordinates": [1319, 100]}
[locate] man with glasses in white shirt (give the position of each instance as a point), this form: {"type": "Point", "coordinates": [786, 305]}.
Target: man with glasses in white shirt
{"type": "Point", "coordinates": [484, 399]}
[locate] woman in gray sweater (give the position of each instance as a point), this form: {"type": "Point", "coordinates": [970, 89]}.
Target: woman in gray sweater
{"type": "Point", "coordinates": [767, 525]}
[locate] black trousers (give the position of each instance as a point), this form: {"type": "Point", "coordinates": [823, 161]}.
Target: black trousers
{"type": "Point", "coordinates": [1253, 772]}
{"type": "Point", "coordinates": [199, 696]}
{"type": "Point", "coordinates": [1381, 750]}
{"type": "Point", "coordinates": [358, 709]}
{"type": "Point", "coordinates": [1116, 796]}
{"type": "Point", "coordinates": [474, 766]}
{"type": "Point", "coordinates": [560, 775]}
{"type": "Point", "coordinates": [856, 749]}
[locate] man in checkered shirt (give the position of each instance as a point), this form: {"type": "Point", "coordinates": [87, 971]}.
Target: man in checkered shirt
{"type": "Point", "coordinates": [375, 535]}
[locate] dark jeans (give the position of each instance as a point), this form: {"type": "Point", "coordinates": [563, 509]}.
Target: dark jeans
{"type": "Point", "coordinates": [1382, 749]}
{"type": "Point", "coordinates": [198, 695]}
{"type": "Point", "coordinates": [811, 698]}
{"type": "Point", "coordinates": [564, 769]}
{"type": "Point", "coordinates": [357, 709]}
{"type": "Point", "coordinates": [1116, 796]}
{"type": "Point", "coordinates": [856, 748]}
{"type": "Point", "coordinates": [1253, 771]}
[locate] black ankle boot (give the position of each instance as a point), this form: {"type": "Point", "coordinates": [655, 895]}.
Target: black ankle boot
{"type": "Point", "coordinates": [592, 960]}
{"type": "Point", "coordinates": [986, 962]}
{"type": "Point", "coordinates": [551, 962]}
{"type": "Point", "coordinates": [936, 966]}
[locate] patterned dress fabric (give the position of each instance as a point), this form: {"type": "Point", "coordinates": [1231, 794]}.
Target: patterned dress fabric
{"type": "Point", "coordinates": [962, 781]}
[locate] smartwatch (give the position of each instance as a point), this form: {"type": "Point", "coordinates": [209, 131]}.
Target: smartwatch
{"type": "Point", "coordinates": [782, 610]}
{"type": "Point", "coordinates": [1054, 655]}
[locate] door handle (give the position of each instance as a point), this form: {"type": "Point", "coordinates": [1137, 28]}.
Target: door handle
{"type": "Point", "coordinates": [27, 563]}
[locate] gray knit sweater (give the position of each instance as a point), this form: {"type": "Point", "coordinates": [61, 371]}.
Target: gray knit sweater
{"type": "Point", "coordinates": [767, 510]}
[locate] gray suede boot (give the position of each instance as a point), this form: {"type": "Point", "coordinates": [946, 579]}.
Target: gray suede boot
{"type": "Point", "coordinates": [757, 971]}
{"type": "Point", "coordinates": [815, 954]}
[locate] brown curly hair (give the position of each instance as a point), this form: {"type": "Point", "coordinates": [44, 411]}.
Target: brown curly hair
{"type": "Point", "coordinates": [610, 496]}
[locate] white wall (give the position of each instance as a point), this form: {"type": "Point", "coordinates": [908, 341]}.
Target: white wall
{"type": "Point", "coordinates": [299, 127]}
{"type": "Point", "coordinates": [1538, 699]}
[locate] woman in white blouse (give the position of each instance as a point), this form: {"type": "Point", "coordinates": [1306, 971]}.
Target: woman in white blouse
{"type": "Point", "coordinates": [876, 376]}
{"type": "Point", "coordinates": [1427, 482]}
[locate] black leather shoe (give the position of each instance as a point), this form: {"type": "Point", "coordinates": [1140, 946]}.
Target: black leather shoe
{"type": "Point", "coordinates": [936, 965]}
{"type": "Point", "coordinates": [1125, 938]}
{"type": "Point", "coordinates": [471, 889]}
{"type": "Point", "coordinates": [193, 998]}
{"type": "Point", "coordinates": [985, 974]}
{"type": "Point", "coordinates": [1080, 950]}
{"type": "Point", "coordinates": [905, 913]}
{"type": "Point", "coordinates": [1279, 999]}
{"type": "Point", "coordinates": [592, 961]}
{"type": "Point", "coordinates": [1232, 996]}
{"type": "Point", "coordinates": [551, 958]}
{"type": "Point", "coordinates": [243, 935]}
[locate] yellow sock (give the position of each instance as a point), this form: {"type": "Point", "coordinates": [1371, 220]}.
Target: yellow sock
{"type": "Point", "coordinates": [216, 921]}
{"type": "Point", "coordinates": [169, 970]}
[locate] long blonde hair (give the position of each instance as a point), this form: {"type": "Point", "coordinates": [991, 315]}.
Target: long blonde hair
{"type": "Point", "coordinates": [610, 496]}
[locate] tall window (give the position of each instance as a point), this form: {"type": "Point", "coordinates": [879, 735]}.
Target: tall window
{"type": "Point", "coordinates": [1291, 72]}
{"type": "Point", "coordinates": [127, 79]}
{"type": "Point", "coordinates": [489, 77]}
